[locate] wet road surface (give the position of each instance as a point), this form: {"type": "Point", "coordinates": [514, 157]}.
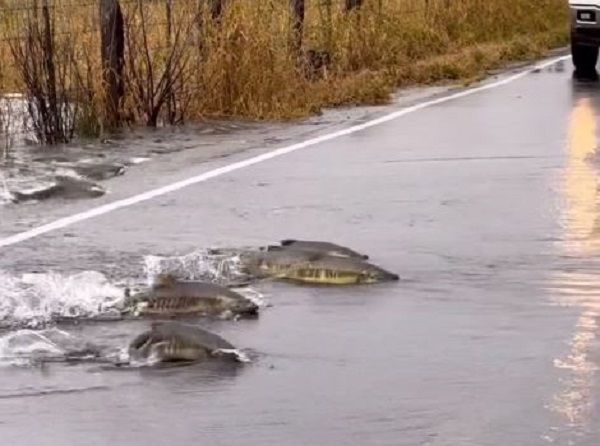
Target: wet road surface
{"type": "Point", "coordinates": [486, 206]}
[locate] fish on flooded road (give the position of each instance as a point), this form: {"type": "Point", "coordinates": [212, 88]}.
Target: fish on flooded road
{"type": "Point", "coordinates": [168, 341]}
{"type": "Point", "coordinates": [61, 186]}
{"type": "Point", "coordinates": [172, 297]}
{"type": "Point", "coordinates": [314, 268]}
{"type": "Point", "coordinates": [326, 248]}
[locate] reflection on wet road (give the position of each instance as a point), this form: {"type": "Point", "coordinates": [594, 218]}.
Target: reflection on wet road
{"type": "Point", "coordinates": [577, 284]}
{"type": "Point", "coordinates": [487, 208]}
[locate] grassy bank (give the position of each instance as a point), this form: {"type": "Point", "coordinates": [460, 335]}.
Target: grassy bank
{"type": "Point", "coordinates": [244, 64]}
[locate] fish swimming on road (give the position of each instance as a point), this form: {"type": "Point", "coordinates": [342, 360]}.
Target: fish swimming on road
{"type": "Point", "coordinates": [62, 186]}
{"type": "Point", "coordinates": [172, 297]}
{"type": "Point", "coordinates": [168, 341]}
{"type": "Point", "coordinates": [314, 268]}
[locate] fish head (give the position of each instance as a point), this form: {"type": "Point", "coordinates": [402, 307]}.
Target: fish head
{"type": "Point", "coordinates": [164, 346]}
{"type": "Point", "coordinates": [374, 274]}
{"type": "Point", "coordinates": [341, 271]}
{"type": "Point", "coordinates": [240, 306]}
{"type": "Point", "coordinates": [247, 309]}
{"type": "Point", "coordinates": [140, 347]}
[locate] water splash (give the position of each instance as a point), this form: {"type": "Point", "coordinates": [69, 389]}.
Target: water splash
{"type": "Point", "coordinates": [223, 267]}
{"type": "Point", "coordinates": [33, 300]}
{"type": "Point", "coordinates": [238, 355]}
{"type": "Point", "coordinates": [203, 264]}
{"type": "Point", "coordinates": [5, 195]}
{"type": "Point", "coordinates": [27, 347]}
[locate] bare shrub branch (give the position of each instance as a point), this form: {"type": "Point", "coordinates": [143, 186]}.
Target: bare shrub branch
{"type": "Point", "coordinates": [46, 70]}
{"type": "Point", "coordinates": [155, 74]}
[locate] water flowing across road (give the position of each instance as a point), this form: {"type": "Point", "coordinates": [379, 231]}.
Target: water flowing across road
{"type": "Point", "coordinates": [485, 205]}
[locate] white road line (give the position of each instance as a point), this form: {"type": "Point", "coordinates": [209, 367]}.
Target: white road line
{"type": "Point", "coordinates": [109, 207]}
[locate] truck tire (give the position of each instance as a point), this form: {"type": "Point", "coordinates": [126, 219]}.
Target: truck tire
{"type": "Point", "coordinates": [585, 57]}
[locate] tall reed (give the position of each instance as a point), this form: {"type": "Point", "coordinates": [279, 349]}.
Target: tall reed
{"type": "Point", "coordinates": [184, 62]}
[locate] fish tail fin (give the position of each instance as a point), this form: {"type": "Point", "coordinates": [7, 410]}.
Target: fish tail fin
{"type": "Point", "coordinates": [231, 354]}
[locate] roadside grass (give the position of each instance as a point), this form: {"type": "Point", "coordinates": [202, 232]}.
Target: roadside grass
{"type": "Point", "coordinates": [244, 65]}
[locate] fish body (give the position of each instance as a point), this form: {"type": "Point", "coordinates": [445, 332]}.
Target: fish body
{"type": "Point", "coordinates": [169, 341]}
{"type": "Point", "coordinates": [171, 297]}
{"type": "Point", "coordinates": [314, 268]}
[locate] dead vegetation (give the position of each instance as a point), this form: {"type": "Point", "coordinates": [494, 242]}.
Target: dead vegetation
{"type": "Point", "coordinates": [157, 71]}
{"type": "Point", "coordinates": [264, 59]}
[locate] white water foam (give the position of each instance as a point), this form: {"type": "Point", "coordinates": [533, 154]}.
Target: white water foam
{"type": "Point", "coordinates": [139, 159]}
{"type": "Point", "coordinates": [5, 195]}
{"type": "Point", "coordinates": [25, 347]}
{"type": "Point", "coordinates": [238, 354]}
{"type": "Point", "coordinates": [223, 269]}
{"type": "Point", "coordinates": [33, 300]}
{"type": "Point", "coordinates": [15, 123]}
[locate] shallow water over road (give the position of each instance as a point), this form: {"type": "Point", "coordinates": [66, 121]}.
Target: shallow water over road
{"type": "Point", "coordinates": [487, 208]}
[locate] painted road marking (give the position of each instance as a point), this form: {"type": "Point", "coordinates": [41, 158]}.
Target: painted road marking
{"type": "Point", "coordinates": [109, 207]}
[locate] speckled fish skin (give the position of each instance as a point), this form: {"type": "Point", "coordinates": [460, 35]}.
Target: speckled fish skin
{"type": "Point", "coordinates": [314, 268]}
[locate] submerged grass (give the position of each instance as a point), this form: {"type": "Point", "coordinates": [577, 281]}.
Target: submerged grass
{"type": "Point", "coordinates": [245, 66]}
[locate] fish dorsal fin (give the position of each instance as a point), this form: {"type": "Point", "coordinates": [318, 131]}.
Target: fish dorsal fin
{"type": "Point", "coordinates": [164, 281]}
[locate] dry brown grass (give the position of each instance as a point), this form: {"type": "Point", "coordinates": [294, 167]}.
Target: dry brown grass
{"type": "Point", "coordinates": [245, 66]}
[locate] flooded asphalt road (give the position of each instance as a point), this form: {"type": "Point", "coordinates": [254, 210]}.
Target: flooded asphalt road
{"type": "Point", "coordinates": [486, 206]}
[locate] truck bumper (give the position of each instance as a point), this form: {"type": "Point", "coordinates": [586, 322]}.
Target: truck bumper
{"type": "Point", "coordinates": [585, 25]}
